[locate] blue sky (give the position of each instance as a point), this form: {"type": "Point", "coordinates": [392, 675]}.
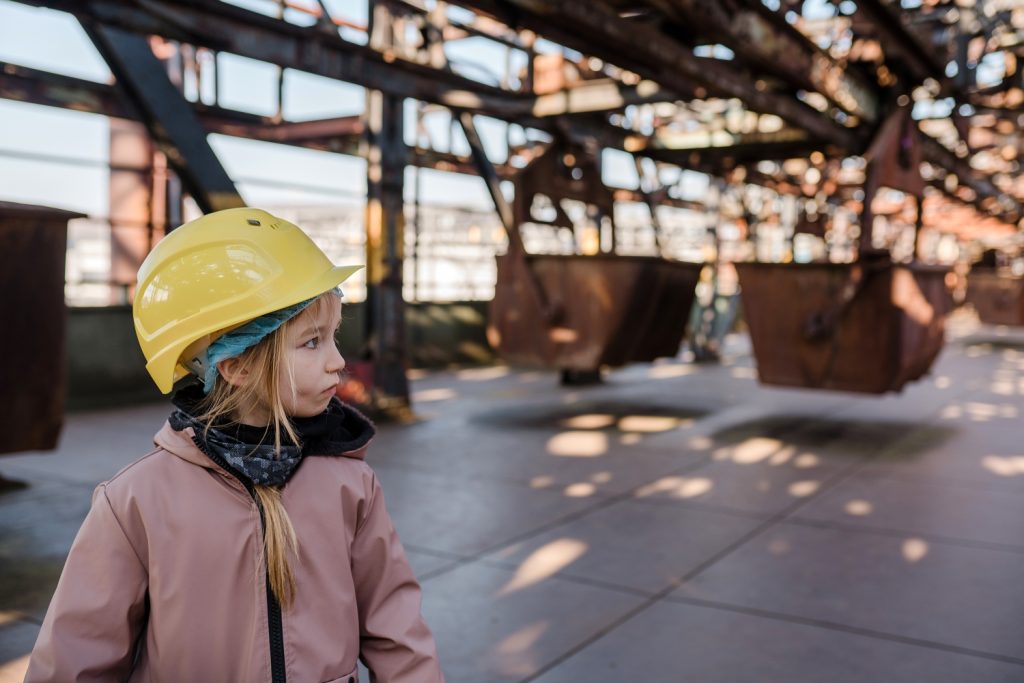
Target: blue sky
{"type": "Point", "coordinates": [54, 41]}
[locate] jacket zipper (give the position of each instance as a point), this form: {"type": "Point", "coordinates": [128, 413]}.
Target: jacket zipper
{"type": "Point", "coordinates": [275, 623]}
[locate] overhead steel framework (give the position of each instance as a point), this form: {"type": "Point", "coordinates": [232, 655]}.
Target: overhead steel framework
{"type": "Point", "coordinates": [775, 93]}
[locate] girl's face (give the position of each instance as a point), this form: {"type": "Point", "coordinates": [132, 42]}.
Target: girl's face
{"type": "Point", "coordinates": [313, 359]}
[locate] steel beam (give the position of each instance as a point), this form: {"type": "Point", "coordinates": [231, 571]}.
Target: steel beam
{"type": "Point", "coordinates": [223, 27]}
{"type": "Point", "coordinates": [172, 124]}
{"type": "Point", "coordinates": [339, 135]}
{"type": "Point", "coordinates": [217, 25]}
{"type": "Point", "coordinates": [1009, 207]}
{"type": "Point", "coordinates": [642, 48]}
{"type": "Point", "coordinates": [24, 84]}
{"type": "Point", "coordinates": [597, 96]}
{"type": "Point", "coordinates": [300, 131]}
{"type": "Point", "coordinates": [767, 43]}
{"type": "Point", "coordinates": [490, 176]}
{"type": "Point", "coordinates": [504, 209]}
{"type": "Point", "coordinates": [713, 139]}
{"type": "Point", "coordinates": [385, 341]}
{"type": "Point", "coordinates": [596, 29]}
{"type": "Point", "coordinates": [41, 87]}
{"type": "Point", "coordinates": [900, 46]}
{"type": "Point", "coordinates": [715, 159]}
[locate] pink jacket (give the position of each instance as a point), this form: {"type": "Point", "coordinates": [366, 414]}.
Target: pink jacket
{"type": "Point", "coordinates": [164, 581]}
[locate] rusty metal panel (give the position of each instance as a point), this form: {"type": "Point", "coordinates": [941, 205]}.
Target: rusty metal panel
{"type": "Point", "coordinates": [33, 376]}
{"type": "Point", "coordinates": [998, 298]}
{"type": "Point", "coordinates": [608, 310]}
{"type": "Point", "coordinates": [848, 327]}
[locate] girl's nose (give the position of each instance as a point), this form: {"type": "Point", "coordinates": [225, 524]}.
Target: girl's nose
{"type": "Point", "coordinates": [336, 362]}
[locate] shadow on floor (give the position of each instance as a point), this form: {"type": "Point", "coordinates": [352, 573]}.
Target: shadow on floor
{"type": "Point", "coordinates": [858, 437]}
{"type": "Point", "coordinates": [27, 583]}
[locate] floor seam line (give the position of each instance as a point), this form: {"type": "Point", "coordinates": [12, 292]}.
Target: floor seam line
{"type": "Point", "coordinates": [845, 628]}
{"type": "Point", "coordinates": [883, 531]}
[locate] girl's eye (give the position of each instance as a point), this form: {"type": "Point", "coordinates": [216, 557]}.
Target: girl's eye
{"type": "Point", "coordinates": [315, 341]}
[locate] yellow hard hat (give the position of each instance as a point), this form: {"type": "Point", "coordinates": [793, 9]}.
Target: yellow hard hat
{"type": "Point", "coordinates": [216, 273]}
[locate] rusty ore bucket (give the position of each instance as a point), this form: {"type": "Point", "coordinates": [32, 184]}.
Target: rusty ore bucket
{"type": "Point", "coordinates": [849, 327]}
{"type": "Point", "coordinates": [998, 299]}
{"type": "Point", "coordinates": [604, 310]}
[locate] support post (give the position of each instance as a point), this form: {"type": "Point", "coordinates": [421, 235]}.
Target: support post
{"type": "Point", "coordinates": [649, 200]}
{"type": "Point", "coordinates": [131, 202]}
{"type": "Point", "coordinates": [705, 347]}
{"type": "Point", "coordinates": [385, 350]}
{"type": "Point", "coordinates": [918, 224]}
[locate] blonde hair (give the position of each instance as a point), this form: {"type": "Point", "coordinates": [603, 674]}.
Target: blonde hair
{"type": "Point", "coordinates": [263, 389]}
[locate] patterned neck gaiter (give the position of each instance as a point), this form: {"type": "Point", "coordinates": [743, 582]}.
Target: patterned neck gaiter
{"type": "Point", "coordinates": [249, 451]}
{"type": "Point", "coordinates": [258, 463]}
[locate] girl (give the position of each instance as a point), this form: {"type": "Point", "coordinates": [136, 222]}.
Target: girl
{"type": "Point", "coordinates": [252, 544]}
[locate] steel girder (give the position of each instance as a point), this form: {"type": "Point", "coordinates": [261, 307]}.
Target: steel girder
{"type": "Point", "coordinates": [595, 28]}
{"type": "Point", "coordinates": [173, 125]}
{"type": "Point", "coordinates": [220, 26]}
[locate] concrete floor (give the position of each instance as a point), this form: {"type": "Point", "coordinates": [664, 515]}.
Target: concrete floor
{"type": "Point", "coordinates": [679, 523]}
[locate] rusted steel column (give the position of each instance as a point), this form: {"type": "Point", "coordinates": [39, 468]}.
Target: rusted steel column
{"type": "Point", "coordinates": [131, 197]}
{"type": "Point", "coordinates": [385, 151]}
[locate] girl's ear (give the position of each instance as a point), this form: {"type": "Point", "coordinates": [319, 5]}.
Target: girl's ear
{"type": "Point", "coordinates": [232, 370]}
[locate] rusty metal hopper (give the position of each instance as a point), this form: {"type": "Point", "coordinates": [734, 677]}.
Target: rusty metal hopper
{"type": "Point", "coordinates": [33, 240]}
{"type": "Point", "coordinates": [582, 311]}
{"type": "Point", "coordinates": [604, 310]}
{"type": "Point", "coordinates": [998, 298]}
{"type": "Point", "coordinates": [849, 327]}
